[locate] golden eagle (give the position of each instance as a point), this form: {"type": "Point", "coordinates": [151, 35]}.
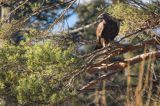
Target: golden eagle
{"type": "Point", "coordinates": [107, 30]}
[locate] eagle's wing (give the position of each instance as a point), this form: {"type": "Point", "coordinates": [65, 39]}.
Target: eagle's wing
{"type": "Point", "coordinates": [110, 30]}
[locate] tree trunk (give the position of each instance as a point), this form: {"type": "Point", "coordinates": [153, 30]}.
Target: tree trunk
{"type": "Point", "coordinates": [5, 13]}
{"type": "Point", "coordinates": [5, 17]}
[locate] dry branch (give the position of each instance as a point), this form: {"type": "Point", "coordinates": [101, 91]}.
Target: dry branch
{"type": "Point", "coordinates": [109, 87]}
{"type": "Point", "coordinates": [118, 51]}
{"type": "Point", "coordinates": [50, 36]}
{"type": "Point", "coordinates": [118, 66]}
{"type": "Point", "coordinates": [62, 14]}
{"type": "Point", "coordinates": [91, 83]}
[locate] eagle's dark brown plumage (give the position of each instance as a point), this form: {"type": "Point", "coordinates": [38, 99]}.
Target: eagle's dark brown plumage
{"type": "Point", "coordinates": [107, 30]}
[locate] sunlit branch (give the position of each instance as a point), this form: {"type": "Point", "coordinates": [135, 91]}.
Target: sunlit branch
{"type": "Point", "coordinates": [119, 66]}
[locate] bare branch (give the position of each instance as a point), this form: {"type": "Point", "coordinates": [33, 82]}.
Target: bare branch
{"type": "Point", "coordinates": [120, 65]}
{"type": "Point", "coordinates": [66, 32]}
{"type": "Point", "coordinates": [117, 51]}
{"type": "Point", "coordinates": [92, 83]}
{"type": "Point", "coordinates": [83, 27]}
{"type": "Point", "coordinates": [62, 14]}
{"type": "Point", "coordinates": [94, 67]}
{"type": "Point", "coordinates": [114, 88]}
{"type": "Point", "coordinates": [19, 6]}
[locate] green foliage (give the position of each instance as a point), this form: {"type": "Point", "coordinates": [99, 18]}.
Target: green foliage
{"type": "Point", "coordinates": [53, 58]}
{"type": "Point", "coordinates": [33, 74]}
{"type": "Point", "coordinates": [88, 12]}
{"type": "Point", "coordinates": [133, 17]}
{"type": "Point", "coordinates": [32, 88]}
{"type": "Point", "coordinates": [1, 86]}
{"type": "Point", "coordinates": [7, 30]}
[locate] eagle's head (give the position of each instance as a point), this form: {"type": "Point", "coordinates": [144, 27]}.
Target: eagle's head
{"type": "Point", "coordinates": [104, 16]}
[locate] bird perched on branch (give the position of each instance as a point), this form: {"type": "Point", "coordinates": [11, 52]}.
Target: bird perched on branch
{"type": "Point", "coordinates": [107, 30]}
